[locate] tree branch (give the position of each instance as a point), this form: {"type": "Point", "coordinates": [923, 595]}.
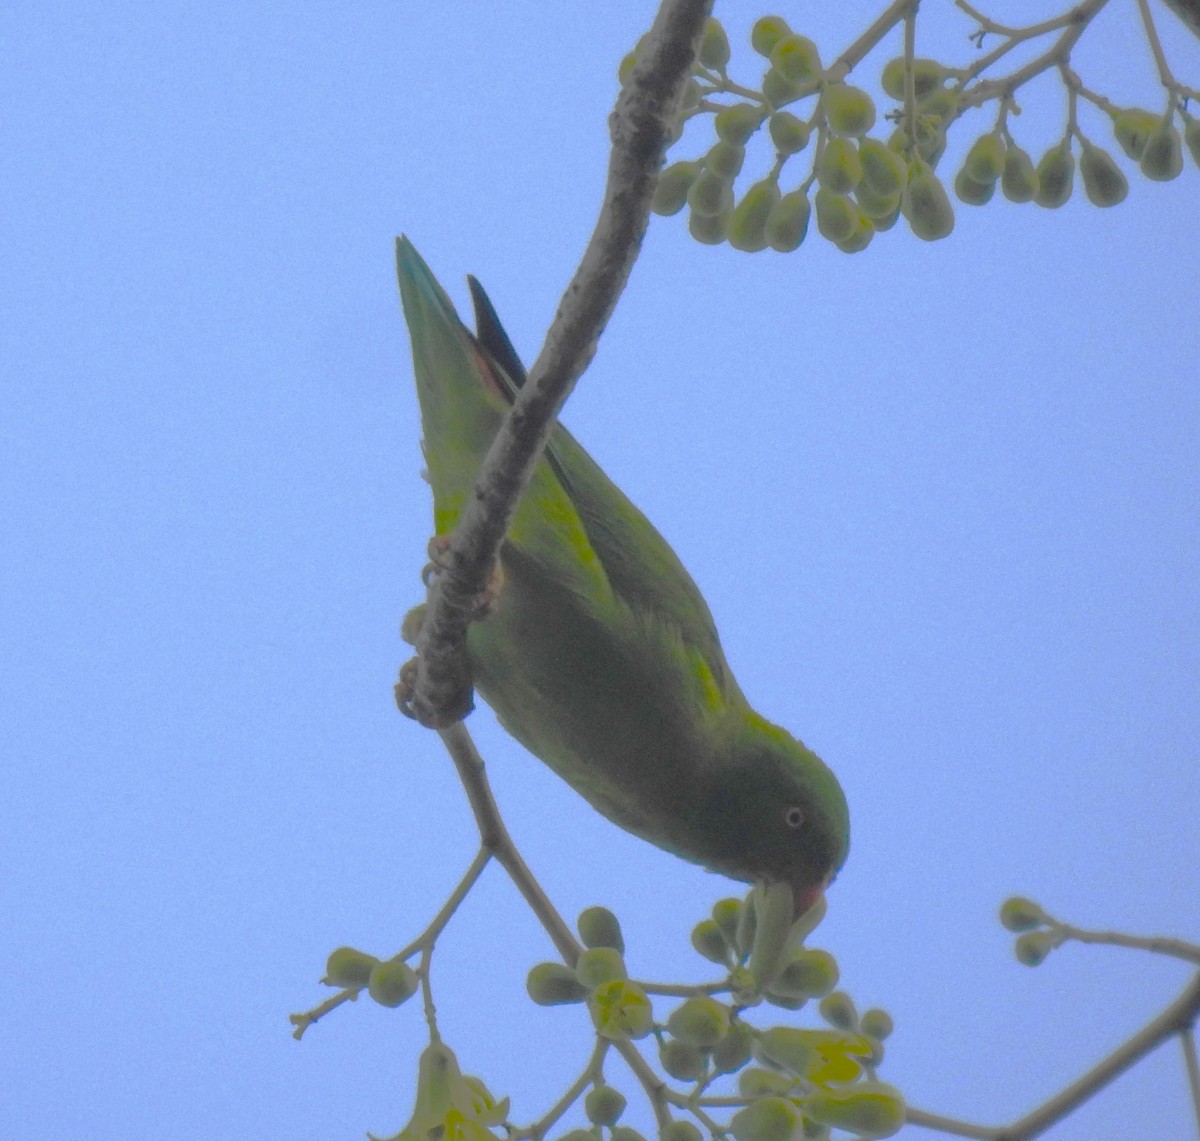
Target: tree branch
{"type": "Point", "coordinates": [640, 124]}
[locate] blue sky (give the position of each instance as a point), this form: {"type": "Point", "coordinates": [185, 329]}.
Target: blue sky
{"type": "Point", "coordinates": [941, 498]}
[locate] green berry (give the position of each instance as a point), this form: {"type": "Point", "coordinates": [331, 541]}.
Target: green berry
{"type": "Point", "coordinates": [714, 45]}
{"type": "Point", "coordinates": [941, 104]}
{"type": "Point", "coordinates": [869, 1109]}
{"type": "Point", "coordinates": [736, 123]}
{"type": "Point", "coordinates": [604, 1105]}
{"type": "Point", "coordinates": [725, 159]}
{"type": "Point", "coordinates": [578, 1135]}
{"type": "Point", "coordinates": [971, 192]}
{"type": "Point", "coordinates": [1032, 947]}
{"type": "Point", "coordinates": [876, 1023]}
{"type": "Point", "coordinates": [709, 940]}
{"type": "Point", "coordinates": [767, 32]}
{"type": "Point", "coordinates": [682, 1060]}
{"type": "Point", "coordinates": [928, 75]}
{"type": "Point", "coordinates": [789, 132]}
{"type": "Point", "coordinates": [985, 160]}
{"type": "Point", "coordinates": [1162, 159]}
{"type": "Point", "coordinates": [788, 1048]}
{"type": "Point", "coordinates": [838, 1010]}
{"type": "Point", "coordinates": [710, 229]}
{"type": "Point", "coordinates": [849, 111]}
{"type": "Point", "coordinates": [754, 1083]}
{"type": "Point", "coordinates": [599, 965]}
{"type": "Point", "coordinates": [1018, 913]}
{"type": "Point", "coordinates": [796, 59]}
{"type": "Point", "coordinates": [788, 222]}
{"type": "Point", "coordinates": [1056, 176]}
{"type": "Point", "coordinates": [926, 205]}
{"type": "Point", "coordinates": [778, 90]}
{"type": "Point", "coordinates": [625, 1133]}
{"type": "Point", "coordinates": [732, 1052]}
{"type": "Point", "coordinates": [837, 217]}
{"type": "Point", "coordinates": [554, 984]}
{"type": "Point", "coordinates": [599, 927]}
{"type": "Point", "coordinates": [620, 1010]}
{"type": "Point", "coordinates": [1133, 129]}
{"type": "Point", "coordinates": [839, 168]}
{"type": "Point", "coordinates": [882, 168]}
{"type": "Point", "coordinates": [767, 1119]}
{"type": "Point", "coordinates": [680, 1131]}
{"type": "Point", "coordinates": [392, 982]}
{"type": "Point", "coordinates": [700, 1021]}
{"type": "Point", "coordinates": [348, 967]}
{"type": "Point", "coordinates": [1019, 180]}
{"type": "Point", "coordinates": [807, 974]}
{"type": "Point", "coordinates": [747, 226]}
{"type": "Point", "coordinates": [710, 194]}
{"type": "Point", "coordinates": [874, 205]}
{"type": "Point", "coordinates": [670, 194]}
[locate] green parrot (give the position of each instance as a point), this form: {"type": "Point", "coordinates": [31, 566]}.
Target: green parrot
{"type": "Point", "coordinates": [599, 653]}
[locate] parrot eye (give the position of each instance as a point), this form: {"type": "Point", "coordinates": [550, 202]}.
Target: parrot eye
{"type": "Point", "coordinates": [793, 817]}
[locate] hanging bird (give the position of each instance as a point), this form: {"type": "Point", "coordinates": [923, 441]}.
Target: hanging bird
{"type": "Point", "coordinates": [599, 653]}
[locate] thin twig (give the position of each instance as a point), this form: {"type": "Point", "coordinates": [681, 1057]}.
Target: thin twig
{"type": "Point", "coordinates": [641, 130]}
{"type": "Point", "coordinates": [1187, 1040]}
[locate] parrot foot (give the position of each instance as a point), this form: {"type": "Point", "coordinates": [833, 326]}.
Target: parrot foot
{"type": "Point", "coordinates": [406, 686]}
{"type": "Point", "coordinates": [486, 601]}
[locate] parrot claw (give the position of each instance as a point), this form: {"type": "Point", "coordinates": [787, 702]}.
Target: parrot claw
{"type": "Point", "coordinates": [405, 687]}
{"type": "Point", "coordinates": [485, 602]}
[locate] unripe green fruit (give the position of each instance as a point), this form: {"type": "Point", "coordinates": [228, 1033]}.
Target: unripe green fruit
{"type": "Point", "coordinates": [578, 1135]}
{"type": "Point", "coordinates": [554, 984]}
{"type": "Point", "coordinates": [754, 1083]}
{"type": "Point", "coordinates": [700, 1021]}
{"type": "Point", "coordinates": [971, 192]}
{"type": "Point", "coordinates": [599, 965]}
{"type": "Point", "coordinates": [410, 626]}
{"type": "Point", "coordinates": [747, 226]}
{"type": "Point", "coordinates": [926, 205]}
{"type": "Point", "coordinates": [928, 75]}
{"type": "Point", "coordinates": [1019, 180]}
{"type": "Point", "coordinates": [1133, 129]}
{"type": "Point", "coordinates": [714, 45]}
{"type": "Point", "coordinates": [787, 1047]}
{"type": "Point", "coordinates": [1162, 159]}
{"type": "Point", "coordinates": [710, 229]}
{"type": "Point", "coordinates": [625, 1133]}
{"type": "Point", "coordinates": [941, 104]}
{"type": "Point", "coordinates": [931, 140]}
{"type": "Point", "coordinates": [621, 1010]}
{"type": "Point", "coordinates": [796, 59]}
{"type": "Point", "coordinates": [767, 32]}
{"type": "Point", "coordinates": [392, 982]}
{"type": "Point", "coordinates": [839, 168]}
{"type": "Point", "coordinates": [874, 205]}
{"type": "Point", "coordinates": [709, 940]}
{"type": "Point", "coordinates": [788, 222]}
{"type": "Point", "coordinates": [682, 1060]}
{"type": "Point", "coordinates": [1056, 175]}
{"type": "Point", "coordinates": [837, 217]}
{"type": "Point", "coordinates": [680, 1131]}
{"type": "Point", "coordinates": [883, 169]}
{"type": "Point", "coordinates": [626, 66]}
{"type": "Point", "coordinates": [710, 194]}
{"type": "Point", "coordinates": [848, 110]}
{"type": "Point", "coordinates": [789, 132]}
{"type": "Point", "coordinates": [725, 159]}
{"type": "Point", "coordinates": [779, 90]}
{"type": "Point", "coordinates": [767, 1119]}
{"type": "Point", "coordinates": [1032, 947]}
{"type": "Point", "coordinates": [1191, 136]}
{"type": "Point", "coordinates": [857, 242]}
{"type": "Point", "coordinates": [1020, 914]}
{"type": "Point", "coordinates": [349, 967]}
{"type": "Point", "coordinates": [604, 1105]}
{"type": "Point", "coordinates": [876, 1023]}
{"type": "Point", "coordinates": [727, 914]}
{"type": "Point", "coordinates": [838, 1010]}
{"type": "Point", "coordinates": [599, 927]}
{"type": "Point", "coordinates": [732, 1052]}
{"type": "Point", "coordinates": [870, 1109]}
{"type": "Point", "coordinates": [737, 123]}
{"type": "Point", "coordinates": [985, 160]}
{"type": "Point", "coordinates": [807, 973]}
{"type": "Point", "coordinates": [691, 96]}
